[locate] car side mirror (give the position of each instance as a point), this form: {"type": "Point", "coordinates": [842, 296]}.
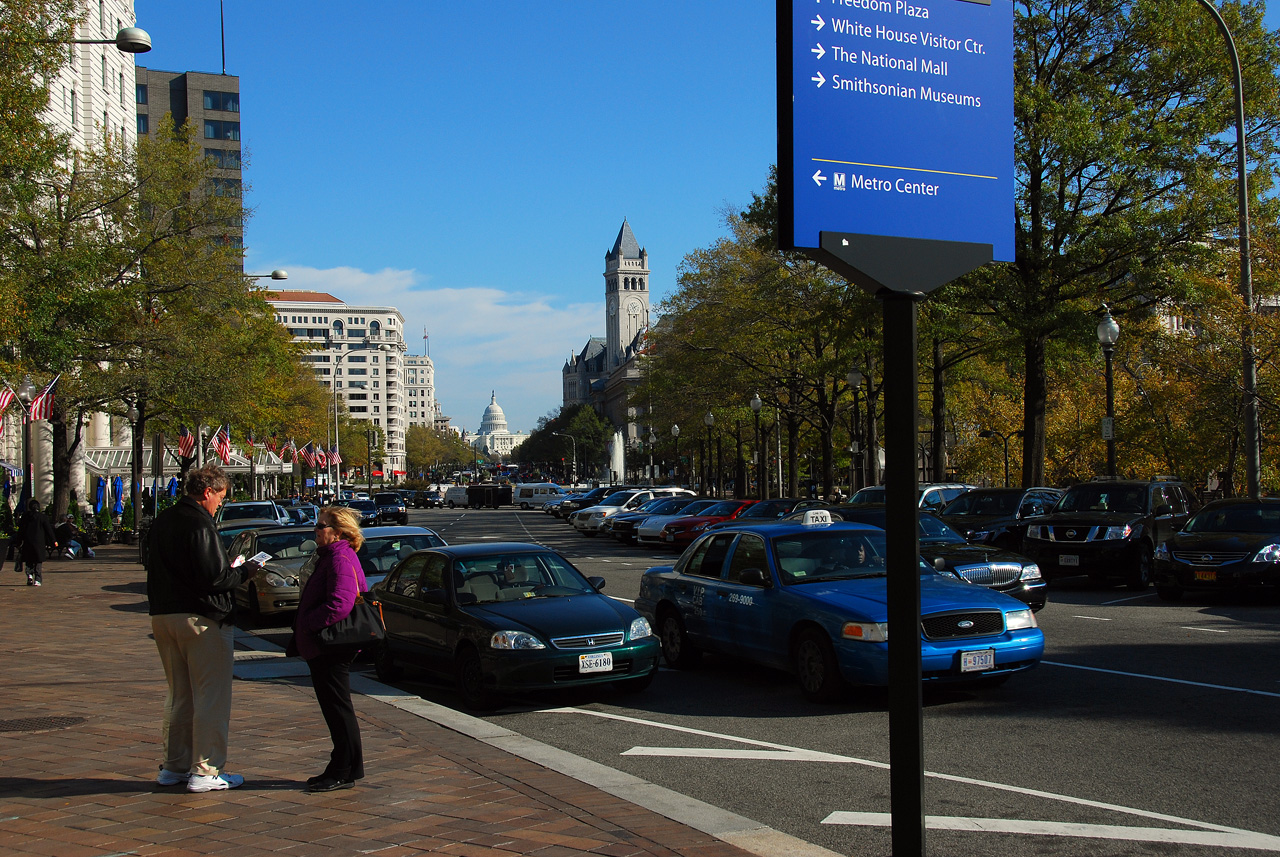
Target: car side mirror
{"type": "Point", "coordinates": [753, 577]}
{"type": "Point", "coordinates": [597, 583]}
{"type": "Point", "coordinates": [939, 563]}
{"type": "Point", "coordinates": [309, 546]}
{"type": "Point", "coordinates": [434, 596]}
{"type": "Point", "coordinates": [1164, 510]}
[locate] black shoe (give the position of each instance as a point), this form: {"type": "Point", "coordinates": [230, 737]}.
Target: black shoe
{"type": "Point", "coordinates": [311, 781]}
{"type": "Point", "coordinates": [330, 784]}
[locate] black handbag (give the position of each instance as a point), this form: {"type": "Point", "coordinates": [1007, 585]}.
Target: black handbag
{"type": "Point", "coordinates": [362, 628]}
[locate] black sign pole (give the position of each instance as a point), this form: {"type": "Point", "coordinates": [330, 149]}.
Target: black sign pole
{"type": "Point", "coordinates": [906, 719]}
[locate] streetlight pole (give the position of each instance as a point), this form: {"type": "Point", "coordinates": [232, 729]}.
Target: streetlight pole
{"type": "Point", "coordinates": [26, 392]}
{"type": "Point", "coordinates": [135, 465]}
{"type": "Point", "coordinates": [1005, 438]}
{"type": "Point", "coordinates": [709, 420]}
{"type": "Point", "coordinates": [756, 405]}
{"type": "Point", "coordinates": [369, 435]}
{"type": "Point", "coordinates": [653, 441]}
{"type": "Point", "coordinates": [1108, 333]}
{"type": "Point", "coordinates": [675, 435]}
{"type": "Point", "coordinates": [855, 442]}
{"type": "Point", "coordinates": [574, 476]}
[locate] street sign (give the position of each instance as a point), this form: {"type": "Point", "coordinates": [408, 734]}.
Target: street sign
{"type": "Point", "coordinates": [895, 120]}
{"type": "Point", "coordinates": [1108, 428]}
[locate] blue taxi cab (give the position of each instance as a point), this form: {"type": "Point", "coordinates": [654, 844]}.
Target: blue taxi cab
{"type": "Point", "coordinates": [811, 598]}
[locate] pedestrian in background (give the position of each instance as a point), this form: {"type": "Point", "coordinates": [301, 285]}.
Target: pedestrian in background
{"type": "Point", "coordinates": [189, 586]}
{"type": "Point", "coordinates": [36, 540]}
{"type": "Point", "coordinates": [328, 596]}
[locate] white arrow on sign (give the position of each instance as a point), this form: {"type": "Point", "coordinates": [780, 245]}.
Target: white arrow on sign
{"type": "Point", "coordinates": [819, 178]}
{"type": "Point", "coordinates": [819, 50]}
{"type": "Point", "coordinates": [821, 23]}
{"type": "Point", "coordinates": [818, 79]}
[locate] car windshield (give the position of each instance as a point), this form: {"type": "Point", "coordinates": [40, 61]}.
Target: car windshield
{"type": "Point", "coordinates": [617, 499]}
{"type": "Point", "coordinates": [1241, 518]}
{"type": "Point", "coordinates": [1101, 497]}
{"type": "Point", "coordinates": [388, 499]}
{"type": "Point", "coordinates": [768, 509]}
{"type": "Point", "coordinates": [650, 505]}
{"type": "Point", "coordinates": [515, 577]}
{"type": "Point", "coordinates": [697, 507]}
{"type": "Point", "coordinates": [829, 555]}
{"type": "Point", "coordinates": [379, 554]}
{"type": "Point", "coordinates": [363, 505]}
{"type": "Point", "coordinates": [723, 509]}
{"type": "Point", "coordinates": [669, 506]}
{"type": "Point", "coordinates": [255, 510]}
{"type": "Point", "coordinates": [227, 535]}
{"type": "Point", "coordinates": [867, 496]}
{"type": "Point", "coordinates": [288, 545]}
{"type": "Point", "coordinates": [984, 503]}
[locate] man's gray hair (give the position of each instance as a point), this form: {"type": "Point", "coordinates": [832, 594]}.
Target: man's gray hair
{"type": "Point", "coordinates": [209, 476]}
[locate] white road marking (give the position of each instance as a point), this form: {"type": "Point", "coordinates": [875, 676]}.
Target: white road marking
{"type": "Point", "coordinates": [1094, 618]}
{"type": "Point", "coordinates": [1242, 839]}
{"type": "Point", "coordinates": [1210, 630]}
{"type": "Point", "coordinates": [800, 754]}
{"type": "Point", "coordinates": [1163, 678]}
{"type": "Point", "coordinates": [1130, 598]}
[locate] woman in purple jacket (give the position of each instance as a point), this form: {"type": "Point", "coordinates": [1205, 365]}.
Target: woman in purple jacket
{"type": "Point", "coordinates": [328, 596]}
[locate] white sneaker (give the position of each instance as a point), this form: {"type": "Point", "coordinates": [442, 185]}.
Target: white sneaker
{"type": "Point", "coordinates": [171, 778]}
{"type": "Point", "coordinates": [35, 583]}
{"type": "Point", "coordinates": [216, 783]}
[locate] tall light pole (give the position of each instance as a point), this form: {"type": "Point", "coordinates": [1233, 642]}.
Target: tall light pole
{"type": "Point", "coordinates": [1108, 333]}
{"type": "Point", "coordinates": [26, 392]}
{"type": "Point", "coordinates": [1005, 438]}
{"type": "Point", "coordinates": [675, 435]}
{"type": "Point", "coordinates": [135, 465]}
{"type": "Point", "coordinates": [855, 441]}
{"type": "Point", "coordinates": [369, 435]}
{"type": "Point", "coordinates": [653, 441]}
{"type": "Point", "coordinates": [574, 474]}
{"type": "Point", "coordinates": [756, 405]}
{"type": "Point", "coordinates": [709, 420]}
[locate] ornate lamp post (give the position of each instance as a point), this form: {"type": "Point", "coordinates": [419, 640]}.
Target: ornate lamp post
{"type": "Point", "coordinates": [26, 392]}
{"type": "Point", "coordinates": [675, 434]}
{"type": "Point", "coordinates": [135, 466]}
{"type": "Point", "coordinates": [1005, 439]}
{"type": "Point", "coordinates": [572, 440]}
{"type": "Point", "coordinates": [1108, 333]}
{"type": "Point", "coordinates": [855, 441]}
{"type": "Point", "coordinates": [709, 420]}
{"type": "Point", "coordinates": [653, 441]}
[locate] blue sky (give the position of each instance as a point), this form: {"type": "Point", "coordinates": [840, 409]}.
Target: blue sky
{"type": "Point", "coordinates": [471, 163]}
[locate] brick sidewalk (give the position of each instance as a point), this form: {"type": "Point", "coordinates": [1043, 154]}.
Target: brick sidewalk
{"type": "Point", "coordinates": [79, 746]}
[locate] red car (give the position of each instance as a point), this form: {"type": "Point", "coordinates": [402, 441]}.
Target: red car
{"type": "Point", "coordinates": [681, 532]}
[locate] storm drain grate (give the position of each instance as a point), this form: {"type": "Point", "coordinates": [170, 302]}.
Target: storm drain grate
{"type": "Point", "coordinates": [35, 724]}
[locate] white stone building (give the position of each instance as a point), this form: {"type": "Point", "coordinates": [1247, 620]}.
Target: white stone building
{"type": "Point", "coordinates": [493, 437]}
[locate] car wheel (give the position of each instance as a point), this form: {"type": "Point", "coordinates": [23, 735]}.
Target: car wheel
{"type": "Point", "coordinates": [677, 651]}
{"type": "Point", "coordinates": [591, 534]}
{"type": "Point", "coordinates": [815, 666]}
{"type": "Point", "coordinates": [384, 664]}
{"type": "Point", "coordinates": [1141, 577]}
{"type": "Point", "coordinates": [635, 685]}
{"type": "Point", "coordinates": [1169, 593]}
{"type": "Point", "coordinates": [524, 506]}
{"type": "Point", "coordinates": [450, 504]}
{"type": "Point", "coordinates": [468, 677]}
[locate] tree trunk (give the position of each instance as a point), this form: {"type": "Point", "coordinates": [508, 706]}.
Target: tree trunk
{"type": "Point", "coordinates": [1035, 394]}
{"type": "Point", "coordinates": [873, 433]}
{"type": "Point", "coordinates": [793, 456]}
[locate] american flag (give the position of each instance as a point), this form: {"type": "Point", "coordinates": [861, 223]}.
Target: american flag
{"type": "Point", "coordinates": [322, 459]}
{"type": "Point", "coordinates": [6, 398]}
{"type": "Point", "coordinates": [289, 448]}
{"type": "Point", "coordinates": [334, 456]}
{"type": "Point", "coordinates": [221, 443]}
{"type": "Point", "coordinates": [250, 440]}
{"type": "Point", "coordinates": [42, 405]}
{"type": "Point", "coordinates": [186, 443]}
{"type": "Point", "coordinates": [307, 455]}
{"type": "Point", "coordinates": [271, 443]}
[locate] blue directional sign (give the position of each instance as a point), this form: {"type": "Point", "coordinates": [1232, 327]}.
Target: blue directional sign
{"type": "Point", "coordinates": [896, 119]}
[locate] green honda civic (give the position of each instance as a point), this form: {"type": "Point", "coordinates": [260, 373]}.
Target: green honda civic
{"type": "Point", "coordinates": [505, 618]}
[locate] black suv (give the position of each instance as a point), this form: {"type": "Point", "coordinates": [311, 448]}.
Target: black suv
{"type": "Point", "coordinates": [1109, 529]}
{"type": "Point", "coordinates": [391, 508]}
{"type": "Point", "coordinates": [997, 516]}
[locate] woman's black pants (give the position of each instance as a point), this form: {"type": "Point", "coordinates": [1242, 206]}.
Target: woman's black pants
{"type": "Point", "coordinates": [331, 678]}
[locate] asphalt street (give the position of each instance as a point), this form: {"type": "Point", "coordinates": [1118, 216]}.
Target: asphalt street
{"type": "Point", "coordinates": [1148, 729]}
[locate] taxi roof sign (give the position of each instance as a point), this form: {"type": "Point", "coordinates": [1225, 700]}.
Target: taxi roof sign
{"type": "Point", "coordinates": [816, 517]}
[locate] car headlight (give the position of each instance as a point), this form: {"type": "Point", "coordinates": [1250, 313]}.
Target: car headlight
{"type": "Point", "coordinates": [274, 579]}
{"type": "Point", "coordinates": [1271, 553]}
{"type": "Point", "coordinates": [1016, 620]}
{"type": "Point", "coordinates": [866, 632]}
{"type": "Point", "coordinates": [639, 629]}
{"type": "Point", "coordinates": [1030, 571]}
{"type": "Point", "coordinates": [1162, 551]}
{"type": "Point", "coordinates": [1117, 532]}
{"type": "Point", "coordinates": [1037, 531]}
{"type": "Point", "coordinates": [515, 640]}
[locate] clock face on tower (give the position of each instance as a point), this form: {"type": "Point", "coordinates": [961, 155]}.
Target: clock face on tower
{"type": "Point", "coordinates": [634, 306]}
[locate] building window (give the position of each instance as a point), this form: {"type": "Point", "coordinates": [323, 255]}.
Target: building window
{"type": "Point", "coordinates": [358, 409]}
{"type": "Point", "coordinates": [144, 124]}
{"type": "Point", "coordinates": [104, 73]}
{"type": "Point", "coordinates": [228, 101]}
{"type": "Point", "coordinates": [224, 159]}
{"type": "Point", "coordinates": [141, 90]}
{"type": "Point", "coordinates": [357, 371]}
{"type": "Point", "coordinates": [357, 358]}
{"type": "Point", "coordinates": [216, 129]}
{"type": "Point", "coordinates": [226, 187]}
{"type": "Point", "coordinates": [357, 397]}
{"type": "Point", "coordinates": [122, 89]}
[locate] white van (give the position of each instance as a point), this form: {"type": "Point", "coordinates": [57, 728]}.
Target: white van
{"type": "Point", "coordinates": [455, 496]}
{"type": "Point", "coordinates": [533, 495]}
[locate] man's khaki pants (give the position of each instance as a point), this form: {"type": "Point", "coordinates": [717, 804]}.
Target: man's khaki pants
{"type": "Point", "coordinates": [198, 655]}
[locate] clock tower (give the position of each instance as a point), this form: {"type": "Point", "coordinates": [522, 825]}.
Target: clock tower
{"type": "Point", "coordinates": [626, 293]}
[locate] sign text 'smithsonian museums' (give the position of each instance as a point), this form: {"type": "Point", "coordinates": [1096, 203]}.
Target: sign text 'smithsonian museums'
{"type": "Point", "coordinates": [901, 120]}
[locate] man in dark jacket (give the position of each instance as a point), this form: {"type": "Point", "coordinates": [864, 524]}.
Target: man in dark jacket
{"type": "Point", "coordinates": [190, 583]}
{"type": "Point", "coordinates": [35, 539]}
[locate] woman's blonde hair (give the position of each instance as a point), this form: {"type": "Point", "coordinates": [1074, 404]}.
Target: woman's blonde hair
{"type": "Point", "coordinates": [346, 521]}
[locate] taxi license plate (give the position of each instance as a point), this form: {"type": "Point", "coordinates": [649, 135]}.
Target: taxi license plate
{"type": "Point", "coordinates": [1068, 559]}
{"type": "Point", "coordinates": [1207, 575]}
{"type": "Point", "coordinates": [972, 662]}
{"type": "Point", "coordinates": [601, 663]}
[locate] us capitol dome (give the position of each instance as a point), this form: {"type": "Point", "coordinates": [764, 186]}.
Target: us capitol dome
{"type": "Point", "coordinates": [493, 437]}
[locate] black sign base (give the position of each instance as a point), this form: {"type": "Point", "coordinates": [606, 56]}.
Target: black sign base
{"type": "Point", "coordinates": [912, 266]}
